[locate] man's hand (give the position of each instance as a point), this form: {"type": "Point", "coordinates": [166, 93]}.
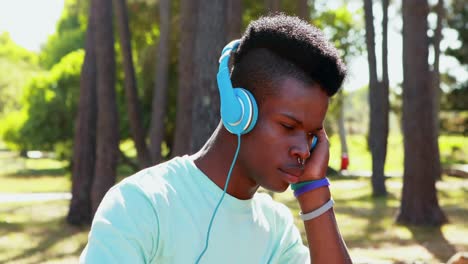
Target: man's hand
{"type": "Point", "coordinates": [317, 164]}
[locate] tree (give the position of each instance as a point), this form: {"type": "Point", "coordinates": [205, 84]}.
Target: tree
{"type": "Point", "coordinates": [159, 107]}
{"type": "Point", "coordinates": [384, 108]}
{"type": "Point", "coordinates": [84, 154]}
{"type": "Point", "coordinates": [107, 135]}
{"type": "Point", "coordinates": [435, 73]}
{"type": "Point", "coordinates": [186, 65]}
{"type": "Point", "coordinates": [272, 6]}
{"type": "Point", "coordinates": [378, 100]}
{"type": "Point", "coordinates": [419, 204]}
{"type": "Point", "coordinates": [49, 101]}
{"type": "Point", "coordinates": [209, 41]}
{"type": "Point", "coordinates": [303, 10]}
{"type": "Point", "coordinates": [17, 65]}
{"type": "Point", "coordinates": [69, 35]}
{"type": "Point", "coordinates": [133, 103]}
{"type": "Point", "coordinates": [233, 19]}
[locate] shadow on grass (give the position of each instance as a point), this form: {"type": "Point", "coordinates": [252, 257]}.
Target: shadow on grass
{"type": "Point", "coordinates": [6, 228]}
{"type": "Point", "coordinates": [379, 218]}
{"type": "Point", "coordinates": [434, 241]}
{"type": "Point", "coordinates": [51, 233]}
{"type": "Point", "coordinates": [366, 197]}
{"type": "Point", "coordinates": [31, 173]}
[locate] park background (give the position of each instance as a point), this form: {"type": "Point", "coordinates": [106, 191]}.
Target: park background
{"type": "Point", "coordinates": [92, 91]}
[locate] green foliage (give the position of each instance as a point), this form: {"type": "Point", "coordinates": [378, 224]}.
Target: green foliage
{"type": "Point", "coordinates": [457, 16]}
{"type": "Point", "coordinates": [252, 10]}
{"type": "Point", "coordinates": [12, 51]}
{"type": "Point", "coordinates": [344, 28]}
{"type": "Point", "coordinates": [143, 24]}
{"type": "Point", "coordinates": [11, 127]}
{"type": "Point", "coordinates": [69, 35]}
{"type": "Point", "coordinates": [456, 99]}
{"type": "Point", "coordinates": [49, 108]}
{"type": "Point", "coordinates": [16, 65]}
{"type": "Point", "coordinates": [454, 110]}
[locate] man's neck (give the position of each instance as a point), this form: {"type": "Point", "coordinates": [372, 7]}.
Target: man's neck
{"type": "Point", "coordinates": [215, 158]}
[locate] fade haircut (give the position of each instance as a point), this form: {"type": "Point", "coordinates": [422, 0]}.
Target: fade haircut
{"type": "Point", "coordinates": [277, 47]}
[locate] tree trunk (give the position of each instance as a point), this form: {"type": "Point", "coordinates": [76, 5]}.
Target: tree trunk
{"type": "Point", "coordinates": [378, 124]}
{"type": "Point", "coordinates": [233, 20]}
{"type": "Point", "coordinates": [436, 72]}
{"type": "Point", "coordinates": [272, 6]}
{"type": "Point", "coordinates": [84, 147]}
{"type": "Point", "coordinates": [183, 127]}
{"type": "Point", "coordinates": [341, 125]}
{"type": "Point", "coordinates": [160, 92]}
{"type": "Point", "coordinates": [419, 204]}
{"type": "Point", "coordinates": [303, 10]}
{"type": "Point", "coordinates": [383, 104]}
{"type": "Point", "coordinates": [133, 103]}
{"type": "Point", "coordinates": [107, 144]}
{"type": "Point", "coordinates": [209, 42]}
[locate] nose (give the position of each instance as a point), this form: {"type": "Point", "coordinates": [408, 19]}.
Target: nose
{"type": "Point", "coordinates": [300, 148]}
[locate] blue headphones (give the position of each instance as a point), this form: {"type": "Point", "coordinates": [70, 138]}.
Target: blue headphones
{"type": "Point", "coordinates": [239, 109]}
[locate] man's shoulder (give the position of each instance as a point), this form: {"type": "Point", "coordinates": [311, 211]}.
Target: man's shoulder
{"type": "Point", "coordinates": [156, 179]}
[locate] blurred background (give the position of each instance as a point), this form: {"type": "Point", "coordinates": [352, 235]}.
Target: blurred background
{"type": "Point", "coordinates": [91, 91]}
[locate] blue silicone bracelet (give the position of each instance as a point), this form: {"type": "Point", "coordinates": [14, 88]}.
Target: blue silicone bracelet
{"type": "Point", "coordinates": [295, 186]}
{"type": "Point", "coordinates": [312, 186]}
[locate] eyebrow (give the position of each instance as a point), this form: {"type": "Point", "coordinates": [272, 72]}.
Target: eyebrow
{"type": "Point", "coordinates": [291, 117]}
{"type": "Point", "coordinates": [297, 121]}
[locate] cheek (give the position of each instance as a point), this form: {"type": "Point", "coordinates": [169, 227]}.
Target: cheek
{"type": "Point", "coordinates": [264, 141]}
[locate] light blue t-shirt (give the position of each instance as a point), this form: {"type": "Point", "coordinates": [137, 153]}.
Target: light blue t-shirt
{"type": "Point", "coordinates": [161, 215]}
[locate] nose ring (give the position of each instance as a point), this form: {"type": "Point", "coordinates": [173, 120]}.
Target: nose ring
{"type": "Point", "coordinates": [300, 161]}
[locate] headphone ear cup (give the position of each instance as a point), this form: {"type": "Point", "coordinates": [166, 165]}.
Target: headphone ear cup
{"type": "Point", "coordinates": [249, 113]}
{"type": "Point", "coordinates": [253, 111]}
{"type": "Point", "coordinates": [248, 110]}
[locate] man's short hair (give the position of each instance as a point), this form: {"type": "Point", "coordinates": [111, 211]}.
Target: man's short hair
{"type": "Point", "coordinates": [280, 46]}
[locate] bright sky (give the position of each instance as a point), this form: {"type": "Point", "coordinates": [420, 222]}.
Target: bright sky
{"type": "Point", "coordinates": [30, 22]}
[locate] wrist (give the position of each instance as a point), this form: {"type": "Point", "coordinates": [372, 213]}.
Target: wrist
{"type": "Point", "coordinates": [307, 186]}
{"type": "Point", "coordinates": [312, 200]}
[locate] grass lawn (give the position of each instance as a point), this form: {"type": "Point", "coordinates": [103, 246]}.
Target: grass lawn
{"type": "Point", "coordinates": [371, 233]}
{"type": "Point", "coordinates": [36, 232]}
{"type": "Point", "coordinates": [18, 175]}
{"type": "Point", "coordinates": [453, 150]}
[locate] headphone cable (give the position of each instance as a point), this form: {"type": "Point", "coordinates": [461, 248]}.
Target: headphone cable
{"type": "Point", "coordinates": [221, 199]}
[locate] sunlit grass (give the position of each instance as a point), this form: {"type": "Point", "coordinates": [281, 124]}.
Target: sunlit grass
{"type": "Point", "coordinates": [453, 149]}
{"type": "Point", "coordinates": [18, 174]}
{"type": "Point", "coordinates": [37, 233]}
{"type": "Point", "coordinates": [369, 229]}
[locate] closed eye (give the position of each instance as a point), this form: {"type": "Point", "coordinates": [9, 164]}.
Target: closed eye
{"type": "Point", "coordinates": [288, 127]}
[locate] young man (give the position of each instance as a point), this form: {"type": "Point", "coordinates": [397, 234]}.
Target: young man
{"type": "Point", "coordinates": [204, 208]}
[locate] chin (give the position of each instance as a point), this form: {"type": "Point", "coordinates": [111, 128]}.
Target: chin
{"type": "Point", "coordinates": [278, 188]}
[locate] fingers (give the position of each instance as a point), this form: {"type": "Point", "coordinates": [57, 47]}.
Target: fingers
{"type": "Point", "coordinates": [316, 166]}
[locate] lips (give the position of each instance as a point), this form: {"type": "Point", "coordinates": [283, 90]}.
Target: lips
{"type": "Point", "coordinates": [291, 174]}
